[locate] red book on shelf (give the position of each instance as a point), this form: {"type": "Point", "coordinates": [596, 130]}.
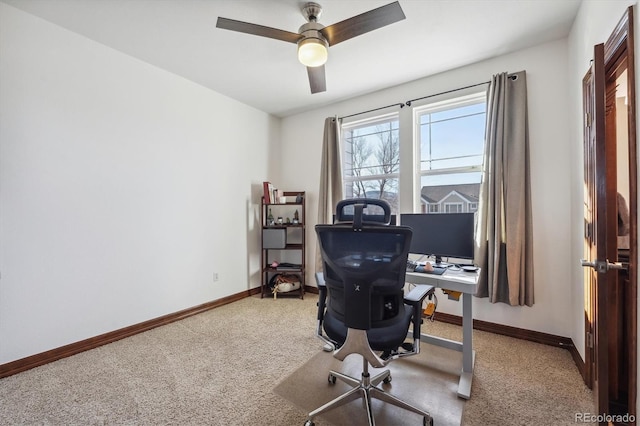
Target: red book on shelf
{"type": "Point", "coordinates": [266, 186]}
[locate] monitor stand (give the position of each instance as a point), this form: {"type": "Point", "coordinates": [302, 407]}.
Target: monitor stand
{"type": "Point", "coordinates": [439, 263]}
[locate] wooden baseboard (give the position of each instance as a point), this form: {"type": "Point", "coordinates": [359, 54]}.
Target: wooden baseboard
{"type": "Point", "coordinates": [577, 359]}
{"type": "Point", "coordinates": [520, 333]}
{"type": "Point", "coordinates": [32, 361]}
{"type": "Point", "coordinates": [505, 330]}
{"type": "Point", "coordinates": [310, 289]}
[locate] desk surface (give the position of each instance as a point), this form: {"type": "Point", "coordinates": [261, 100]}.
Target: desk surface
{"type": "Point", "coordinates": [465, 282]}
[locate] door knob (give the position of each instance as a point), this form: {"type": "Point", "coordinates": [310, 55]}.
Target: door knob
{"type": "Point", "coordinates": [584, 262]}
{"type": "Point", "coordinates": [602, 266]}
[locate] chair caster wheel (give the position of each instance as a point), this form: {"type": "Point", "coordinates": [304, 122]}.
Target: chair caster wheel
{"type": "Point", "coordinates": [387, 380]}
{"type": "Point", "coordinates": [332, 381]}
{"type": "Point", "coordinates": [426, 421]}
{"type": "Point", "coordinates": [309, 423]}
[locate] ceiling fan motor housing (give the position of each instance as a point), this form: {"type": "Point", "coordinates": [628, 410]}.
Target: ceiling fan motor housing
{"type": "Point", "coordinates": [311, 30]}
{"type": "Point", "coordinates": [311, 11]}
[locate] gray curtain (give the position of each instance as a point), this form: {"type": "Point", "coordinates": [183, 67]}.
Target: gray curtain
{"type": "Point", "coordinates": [330, 191]}
{"type": "Point", "coordinates": [504, 249]}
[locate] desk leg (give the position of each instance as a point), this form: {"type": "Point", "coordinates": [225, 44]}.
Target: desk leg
{"type": "Point", "coordinates": [468, 354]}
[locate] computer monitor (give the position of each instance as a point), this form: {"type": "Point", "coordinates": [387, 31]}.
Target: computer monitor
{"type": "Point", "coordinates": [441, 234]}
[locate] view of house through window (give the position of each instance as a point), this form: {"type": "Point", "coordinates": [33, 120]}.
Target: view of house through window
{"type": "Point", "coordinates": [371, 159]}
{"type": "Point", "coordinates": [451, 137]}
{"type": "Point", "coordinates": [449, 149]}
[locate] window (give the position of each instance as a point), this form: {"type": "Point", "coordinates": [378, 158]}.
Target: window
{"type": "Point", "coordinates": [371, 159]}
{"type": "Point", "coordinates": [451, 147]}
{"type": "Point", "coordinates": [453, 208]}
{"type": "Point", "coordinates": [446, 153]}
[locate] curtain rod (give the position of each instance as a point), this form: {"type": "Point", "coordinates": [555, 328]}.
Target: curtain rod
{"type": "Point", "coordinates": [408, 103]}
{"type": "Point", "coordinates": [371, 110]}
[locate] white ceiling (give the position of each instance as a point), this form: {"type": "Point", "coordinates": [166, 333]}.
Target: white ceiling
{"type": "Point", "coordinates": [180, 36]}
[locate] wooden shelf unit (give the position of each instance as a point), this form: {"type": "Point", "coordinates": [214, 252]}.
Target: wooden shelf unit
{"type": "Point", "coordinates": [294, 231]}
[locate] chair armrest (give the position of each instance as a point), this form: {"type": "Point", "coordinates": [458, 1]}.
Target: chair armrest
{"type": "Point", "coordinates": [415, 299]}
{"type": "Point", "coordinates": [322, 295]}
{"type": "Point", "coordinates": [418, 294]}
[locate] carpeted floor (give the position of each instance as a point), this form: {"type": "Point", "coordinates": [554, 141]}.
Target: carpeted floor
{"type": "Point", "coordinates": [221, 367]}
{"type": "Point", "coordinates": [428, 381]}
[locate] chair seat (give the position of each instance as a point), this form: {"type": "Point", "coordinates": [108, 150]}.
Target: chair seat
{"type": "Point", "coordinates": [380, 339]}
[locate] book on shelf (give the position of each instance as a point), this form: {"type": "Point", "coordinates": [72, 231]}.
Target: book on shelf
{"type": "Point", "coordinates": [285, 266]}
{"type": "Point", "coordinates": [269, 192]}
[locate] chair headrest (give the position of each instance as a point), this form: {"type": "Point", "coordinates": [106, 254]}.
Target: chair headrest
{"type": "Point", "coordinates": [359, 216]}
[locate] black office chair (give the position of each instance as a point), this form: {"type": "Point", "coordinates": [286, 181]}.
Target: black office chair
{"type": "Point", "coordinates": [367, 312]}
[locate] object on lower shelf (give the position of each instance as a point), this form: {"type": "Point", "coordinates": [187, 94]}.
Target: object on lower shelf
{"type": "Point", "coordinates": [284, 283]}
{"type": "Point", "coordinates": [429, 311]}
{"type": "Point", "coordinates": [452, 294]}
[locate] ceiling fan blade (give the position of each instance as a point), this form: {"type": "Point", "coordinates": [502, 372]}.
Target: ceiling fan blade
{"type": "Point", "coordinates": [259, 30]}
{"type": "Point", "coordinates": [317, 79]}
{"type": "Point", "coordinates": [363, 23]}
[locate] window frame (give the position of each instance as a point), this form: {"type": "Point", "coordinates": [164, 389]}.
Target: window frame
{"type": "Point", "coordinates": [476, 97]}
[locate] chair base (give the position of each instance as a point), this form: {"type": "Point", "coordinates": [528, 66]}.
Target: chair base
{"type": "Point", "coordinates": [366, 388]}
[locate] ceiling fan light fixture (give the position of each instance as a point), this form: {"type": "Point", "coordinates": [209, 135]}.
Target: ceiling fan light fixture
{"type": "Point", "coordinates": [313, 52]}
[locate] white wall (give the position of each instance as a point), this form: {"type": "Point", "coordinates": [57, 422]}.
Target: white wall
{"type": "Point", "coordinates": [123, 188]}
{"type": "Point", "coordinates": [548, 103]}
{"type": "Point", "coordinates": [596, 20]}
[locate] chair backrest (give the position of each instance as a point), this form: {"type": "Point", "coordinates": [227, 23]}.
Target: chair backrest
{"type": "Point", "coordinates": [364, 268]}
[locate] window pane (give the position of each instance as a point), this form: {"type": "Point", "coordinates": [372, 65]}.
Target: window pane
{"type": "Point", "coordinates": [371, 160]}
{"type": "Point", "coordinates": [452, 138]}
{"type": "Point", "coordinates": [386, 189]}
{"type": "Point", "coordinates": [372, 150]}
{"type": "Point", "coordinates": [453, 193]}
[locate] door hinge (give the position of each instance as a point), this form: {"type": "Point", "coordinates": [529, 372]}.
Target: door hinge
{"type": "Point", "coordinates": [587, 119]}
{"type": "Point", "coordinates": [589, 341]}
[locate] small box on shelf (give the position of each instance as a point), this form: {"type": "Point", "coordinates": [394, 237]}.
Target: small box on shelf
{"type": "Point", "coordinates": [274, 238]}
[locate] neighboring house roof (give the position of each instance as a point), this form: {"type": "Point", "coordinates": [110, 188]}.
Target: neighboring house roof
{"type": "Point", "coordinates": [435, 194]}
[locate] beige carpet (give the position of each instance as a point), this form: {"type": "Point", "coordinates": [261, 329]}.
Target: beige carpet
{"type": "Point", "coordinates": [221, 367]}
{"type": "Point", "coordinates": [427, 380]}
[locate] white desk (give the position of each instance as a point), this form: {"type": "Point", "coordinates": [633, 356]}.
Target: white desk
{"type": "Point", "coordinates": [467, 283]}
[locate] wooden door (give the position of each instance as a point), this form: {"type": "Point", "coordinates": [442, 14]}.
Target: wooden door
{"type": "Point", "coordinates": [610, 172]}
{"type": "Point", "coordinates": [596, 201]}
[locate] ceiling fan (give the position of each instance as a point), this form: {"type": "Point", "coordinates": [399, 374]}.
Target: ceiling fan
{"type": "Point", "coordinates": [313, 38]}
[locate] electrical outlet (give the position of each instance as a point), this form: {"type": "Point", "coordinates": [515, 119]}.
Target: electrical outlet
{"type": "Point", "coordinates": [215, 276]}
